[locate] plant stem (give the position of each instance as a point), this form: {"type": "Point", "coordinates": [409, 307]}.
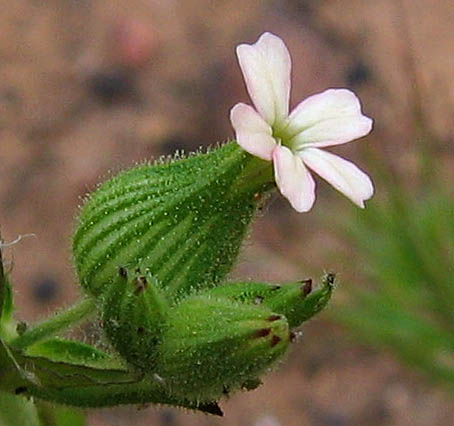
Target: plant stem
{"type": "Point", "coordinates": [58, 322]}
{"type": "Point", "coordinates": [2, 281]}
{"type": "Point", "coordinates": [147, 390]}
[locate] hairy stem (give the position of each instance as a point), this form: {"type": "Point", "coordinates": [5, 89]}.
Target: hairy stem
{"type": "Point", "coordinates": [58, 322]}
{"type": "Point", "coordinates": [108, 395]}
{"type": "Point", "coordinates": [2, 280]}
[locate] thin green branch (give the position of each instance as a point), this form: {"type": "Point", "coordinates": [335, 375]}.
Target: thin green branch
{"type": "Point", "coordinates": [2, 280]}
{"type": "Point", "coordinates": [55, 324]}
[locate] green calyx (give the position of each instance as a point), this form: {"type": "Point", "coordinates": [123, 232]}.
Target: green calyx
{"type": "Point", "coordinates": [212, 346]}
{"type": "Point", "coordinates": [133, 313]}
{"type": "Point", "coordinates": [182, 220]}
{"type": "Point", "coordinates": [297, 302]}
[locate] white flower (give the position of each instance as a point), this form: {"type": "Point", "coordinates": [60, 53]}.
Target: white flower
{"type": "Point", "coordinates": [293, 141]}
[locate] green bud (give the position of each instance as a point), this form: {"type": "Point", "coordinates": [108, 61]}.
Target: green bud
{"type": "Point", "coordinates": [296, 301]}
{"type": "Point", "coordinates": [183, 220]}
{"type": "Point", "coordinates": [133, 313]}
{"type": "Point", "coordinates": [213, 345]}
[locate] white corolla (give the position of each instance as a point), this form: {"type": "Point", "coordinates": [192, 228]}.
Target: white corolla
{"type": "Point", "coordinates": [293, 141]}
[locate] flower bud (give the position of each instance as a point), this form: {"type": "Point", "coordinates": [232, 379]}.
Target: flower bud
{"type": "Point", "coordinates": [133, 314]}
{"type": "Point", "coordinates": [212, 346]}
{"type": "Point", "coordinates": [296, 301]}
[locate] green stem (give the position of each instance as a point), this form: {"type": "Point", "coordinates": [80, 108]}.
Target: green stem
{"type": "Point", "coordinates": [58, 322]}
{"type": "Point", "coordinates": [145, 391]}
{"type": "Point", "coordinates": [2, 281]}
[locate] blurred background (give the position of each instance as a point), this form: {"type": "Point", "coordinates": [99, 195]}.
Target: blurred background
{"type": "Point", "coordinates": [90, 87]}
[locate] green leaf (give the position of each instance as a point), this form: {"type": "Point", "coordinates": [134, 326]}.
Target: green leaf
{"type": "Point", "coordinates": [11, 374]}
{"type": "Point", "coordinates": [83, 386]}
{"type": "Point", "coordinates": [73, 352]}
{"type": "Point", "coordinates": [17, 411]}
{"type": "Point", "coordinates": [53, 373]}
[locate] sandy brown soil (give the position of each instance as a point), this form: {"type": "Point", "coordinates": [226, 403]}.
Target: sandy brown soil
{"type": "Point", "coordinates": [89, 87]}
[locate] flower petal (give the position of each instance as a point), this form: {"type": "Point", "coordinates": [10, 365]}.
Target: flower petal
{"type": "Point", "coordinates": [329, 118]}
{"type": "Point", "coordinates": [340, 173]}
{"type": "Point", "coordinates": [266, 69]}
{"type": "Point", "coordinates": [253, 133]}
{"type": "Point", "coordinates": [293, 179]}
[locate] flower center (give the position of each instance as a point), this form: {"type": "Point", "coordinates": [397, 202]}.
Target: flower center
{"type": "Point", "coordinates": [282, 137]}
